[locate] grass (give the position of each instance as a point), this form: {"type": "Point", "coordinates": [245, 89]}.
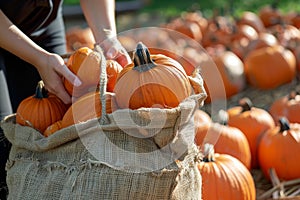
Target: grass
{"type": "Point", "coordinates": [172, 8]}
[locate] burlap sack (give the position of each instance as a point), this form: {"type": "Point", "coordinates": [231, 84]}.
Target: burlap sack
{"type": "Point", "coordinates": [140, 154]}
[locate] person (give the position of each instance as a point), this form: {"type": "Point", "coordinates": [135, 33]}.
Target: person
{"type": "Point", "coordinates": [32, 38]}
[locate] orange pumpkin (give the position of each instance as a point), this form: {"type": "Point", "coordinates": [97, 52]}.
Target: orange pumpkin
{"type": "Point", "coordinates": [113, 68]}
{"type": "Point", "coordinates": [52, 128]}
{"type": "Point", "coordinates": [201, 118]}
{"type": "Point", "coordinates": [77, 37]}
{"type": "Point", "coordinates": [40, 110]}
{"type": "Point", "coordinates": [270, 67]}
{"type": "Point", "coordinates": [87, 107]}
{"type": "Point", "coordinates": [287, 106]}
{"type": "Point", "coordinates": [253, 122]}
{"type": "Point", "coordinates": [151, 81]}
{"type": "Point", "coordinates": [226, 139]}
{"type": "Point", "coordinates": [231, 68]}
{"type": "Point", "coordinates": [279, 149]}
{"type": "Point", "coordinates": [225, 177]}
{"type": "Point", "coordinates": [253, 20]}
{"type": "Point", "coordinates": [270, 15]}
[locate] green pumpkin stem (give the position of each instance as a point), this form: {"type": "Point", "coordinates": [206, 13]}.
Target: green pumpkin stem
{"type": "Point", "coordinates": [208, 152]}
{"type": "Point", "coordinates": [141, 58]}
{"type": "Point", "coordinates": [246, 104]}
{"type": "Point", "coordinates": [41, 91]}
{"type": "Point", "coordinates": [284, 124]}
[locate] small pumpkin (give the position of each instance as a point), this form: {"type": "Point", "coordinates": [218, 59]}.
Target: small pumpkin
{"type": "Point", "coordinates": [253, 20]}
{"type": "Point", "coordinates": [253, 122]}
{"type": "Point", "coordinates": [225, 177]}
{"type": "Point", "coordinates": [40, 110]}
{"type": "Point", "coordinates": [287, 106]}
{"type": "Point", "coordinates": [279, 149]}
{"type": "Point", "coordinates": [151, 81]}
{"type": "Point", "coordinates": [113, 68]}
{"type": "Point", "coordinates": [226, 139]}
{"type": "Point", "coordinates": [52, 128]}
{"type": "Point", "coordinates": [87, 107]}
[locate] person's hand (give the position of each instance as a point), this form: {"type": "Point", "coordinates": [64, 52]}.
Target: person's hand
{"type": "Point", "coordinates": [52, 69]}
{"type": "Point", "coordinates": [113, 50]}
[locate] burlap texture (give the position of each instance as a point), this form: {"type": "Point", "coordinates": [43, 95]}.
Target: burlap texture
{"type": "Point", "coordinates": [139, 154]}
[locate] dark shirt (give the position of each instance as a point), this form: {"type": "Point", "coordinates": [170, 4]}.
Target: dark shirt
{"type": "Point", "coordinates": [31, 16]}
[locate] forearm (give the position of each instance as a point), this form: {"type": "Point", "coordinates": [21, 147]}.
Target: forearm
{"type": "Point", "coordinates": [100, 15]}
{"type": "Point", "coordinates": [15, 41]}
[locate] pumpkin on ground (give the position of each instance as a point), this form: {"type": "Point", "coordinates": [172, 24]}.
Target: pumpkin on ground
{"type": "Point", "coordinates": [225, 177]}
{"type": "Point", "coordinates": [151, 81]}
{"type": "Point", "coordinates": [253, 122]}
{"type": "Point", "coordinates": [226, 139]}
{"type": "Point", "coordinates": [279, 149]}
{"type": "Point", "coordinates": [287, 106]}
{"type": "Point", "coordinates": [87, 107]}
{"type": "Point", "coordinates": [40, 110]}
{"type": "Point", "coordinates": [270, 67]}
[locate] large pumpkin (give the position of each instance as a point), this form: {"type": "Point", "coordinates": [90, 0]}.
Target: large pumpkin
{"type": "Point", "coordinates": [151, 81]}
{"type": "Point", "coordinates": [270, 67]}
{"type": "Point", "coordinates": [40, 110]}
{"type": "Point", "coordinates": [87, 107]}
{"type": "Point", "coordinates": [286, 106]}
{"type": "Point", "coordinates": [279, 149]}
{"type": "Point", "coordinates": [225, 177]}
{"type": "Point", "coordinates": [226, 139]}
{"type": "Point", "coordinates": [253, 122]}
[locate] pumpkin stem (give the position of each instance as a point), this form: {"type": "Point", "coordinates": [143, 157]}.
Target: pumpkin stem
{"type": "Point", "coordinates": [209, 153]}
{"type": "Point", "coordinates": [284, 124]}
{"type": "Point", "coordinates": [246, 104]}
{"type": "Point", "coordinates": [40, 91]}
{"type": "Point", "coordinates": [141, 58]}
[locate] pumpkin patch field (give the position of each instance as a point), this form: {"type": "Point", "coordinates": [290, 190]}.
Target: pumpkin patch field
{"type": "Point", "coordinates": [248, 126]}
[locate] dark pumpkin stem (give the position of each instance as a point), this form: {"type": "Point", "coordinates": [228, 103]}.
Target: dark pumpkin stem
{"type": "Point", "coordinates": [141, 58]}
{"type": "Point", "coordinates": [41, 91]}
{"type": "Point", "coordinates": [246, 104]}
{"type": "Point", "coordinates": [208, 152]}
{"type": "Point", "coordinates": [284, 124]}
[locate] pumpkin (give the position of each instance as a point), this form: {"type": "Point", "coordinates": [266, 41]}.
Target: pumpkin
{"type": "Point", "coordinates": [270, 67]}
{"type": "Point", "coordinates": [279, 149]}
{"type": "Point", "coordinates": [40, 110]}
{"type": "Point", "coordinates": [253, 122]}
{"type": "Point", "coordinates": [201, 118]}
{"type": "Point", "coordinates": [77, 37]}
{"type": "Point", "coordinates": [113, 68]}
{"type": "Point", "coordinates": [286, 106]}
{"type": "Point", "coordinates": [225, 177]}
{"type": "Point", "coordinates": [87, 107]}
{"type": "Point", "coordinates": [226, 139]}
{"type": "Point", "coordinates": [151, 81]}
{"type": "Point", "coordinates": [251, 19]}
{"type": "Point", "coordinates": [231, 69]}
{"type": "Point", "coordinates": [270, 15]}
{"type": "Point", "coordinates": [52, 128]}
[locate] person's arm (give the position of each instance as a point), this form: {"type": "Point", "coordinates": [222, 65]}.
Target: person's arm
{"type": "Point", "coordinates": [50, 66]}
{"type": "Point", "coordinates": [100, 15]}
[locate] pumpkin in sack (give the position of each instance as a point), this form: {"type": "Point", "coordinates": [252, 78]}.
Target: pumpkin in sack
{"type": "Point", "coordinates": [52, 128]}
{"type": "Point", "coordinates": [279, 149]}
{"type": "Point", "coordinates": [225, 177]}
{"type": "Point", "coordinates": [40, 110]}
{"type": "Point", "coordinates": [252, 121]}
{"type": "Point", "coordinates": [87, 107]}
{"type": "Point", "coordinates": [151, 81]}
{"type": "Point", "coordinates": [287, 106]}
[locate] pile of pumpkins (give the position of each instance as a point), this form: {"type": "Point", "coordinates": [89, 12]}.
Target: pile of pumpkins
{"type": "Point", "coordinates": [261, 50]}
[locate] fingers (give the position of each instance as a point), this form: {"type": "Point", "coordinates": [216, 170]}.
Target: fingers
{"type": "Point", "coordinates": [72, 78]}
{"type": "Point", "coordinates": [119, 54]}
